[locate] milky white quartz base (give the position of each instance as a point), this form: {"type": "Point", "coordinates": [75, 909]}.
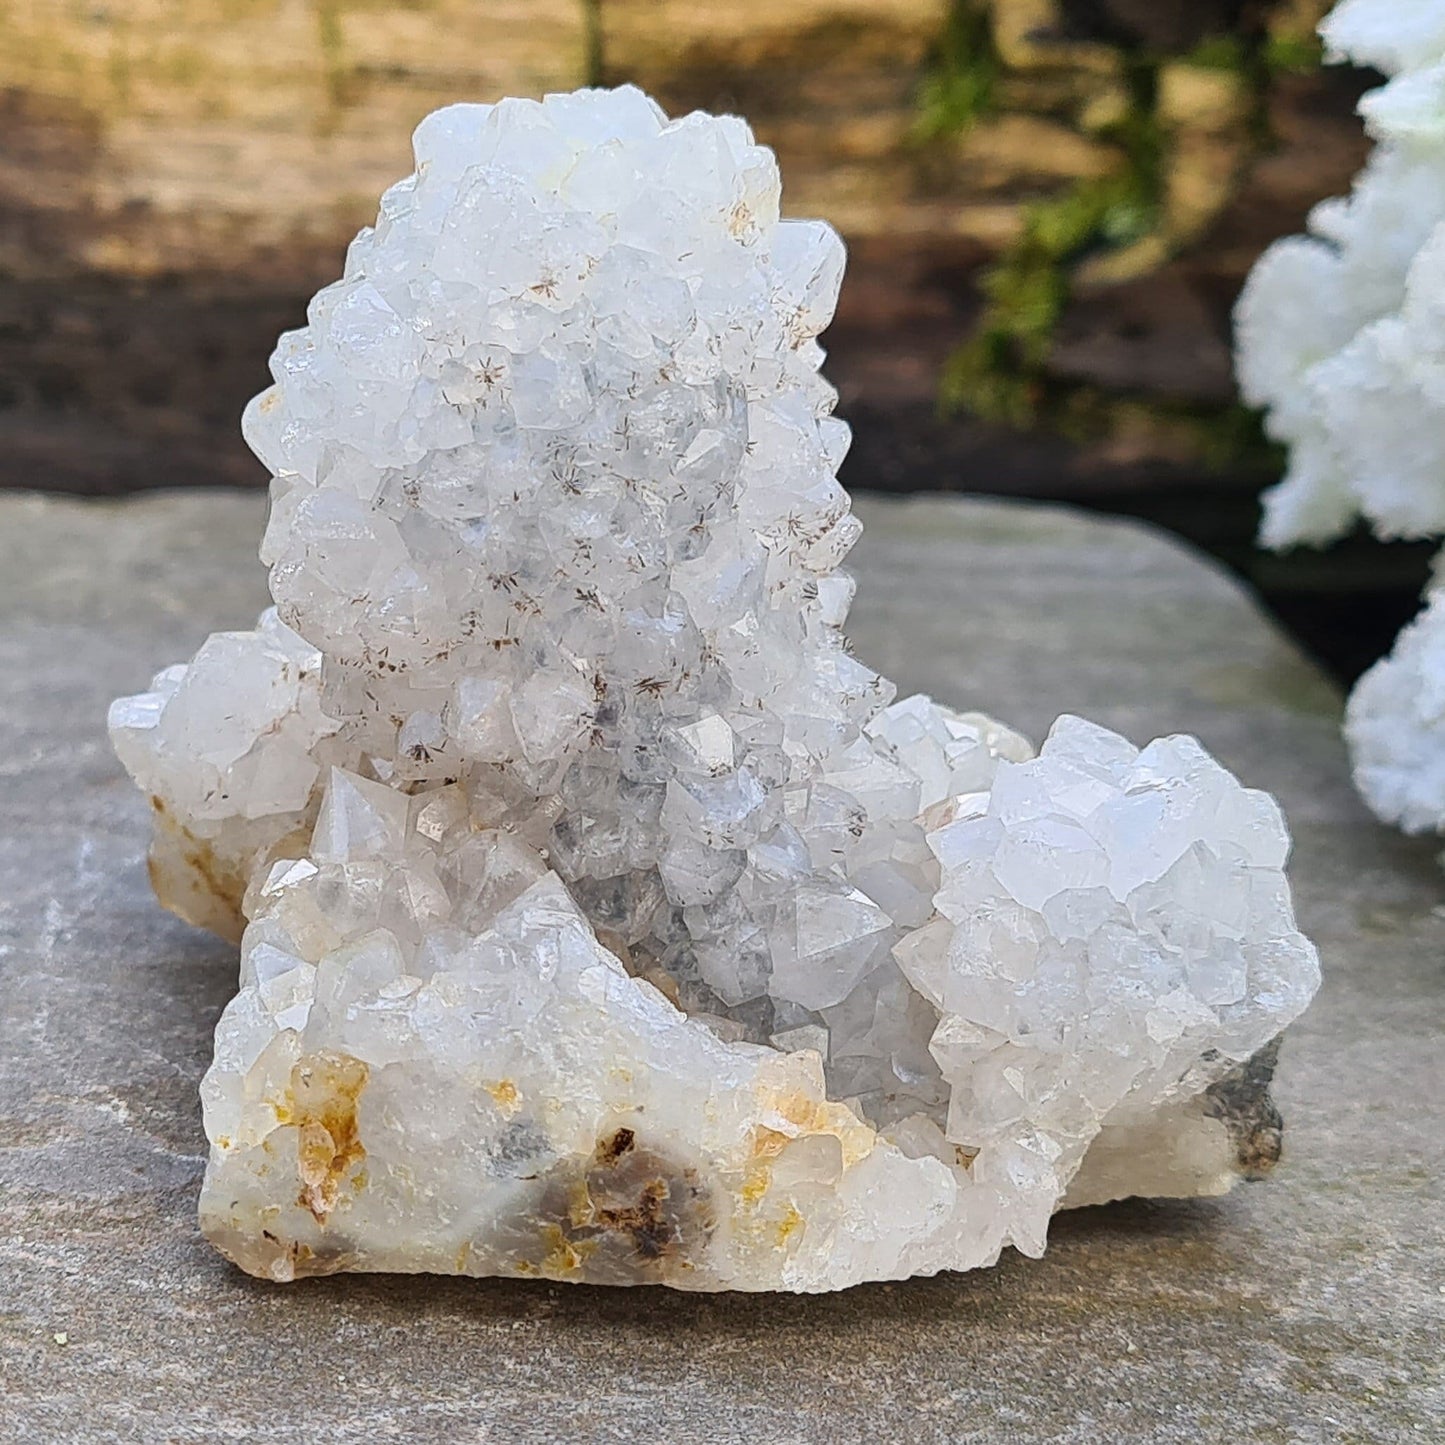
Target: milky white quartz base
{"type": "Point", "coordinates": [509, 1100]}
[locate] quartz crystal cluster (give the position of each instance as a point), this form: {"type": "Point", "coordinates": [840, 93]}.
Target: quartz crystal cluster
{"type": "Point", "coordinates": [601, 916]}
{"type": "Point", "coordinates": [1340, 338]}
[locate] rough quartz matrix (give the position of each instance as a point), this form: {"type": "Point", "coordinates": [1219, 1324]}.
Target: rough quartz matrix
{"type": "Point", "coordinates": [602, 917]}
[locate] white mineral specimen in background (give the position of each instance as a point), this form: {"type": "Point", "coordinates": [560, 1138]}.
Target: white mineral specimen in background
{"type": "Point", "coordinates": [1341, 336]}
{"type": "Point", "coordinates": [1395, 726]}
{"type": "Point", "coordinates": [602, 919]}
{"type": "Point", "coordinates": [1338, 330]}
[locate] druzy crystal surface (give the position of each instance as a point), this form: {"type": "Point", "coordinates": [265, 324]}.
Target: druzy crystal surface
{"type": "Point", "coordinates": [601, 916]}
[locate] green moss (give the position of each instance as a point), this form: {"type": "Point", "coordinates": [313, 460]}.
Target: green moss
{"type": "Point", "coordinates": [120, 73]}
{"type": "Point", "coordinates": [998, 373]}
{"type": "Point", "coordinates": [594, 58]}
{"type": "Point", "coordinates": [1235, 438]}
{"type": "Point", "coordinates": [958, 87]}
{"type": "Point", "coordinates": [1292, 54]}
{"type": "Point", "coordinates": [1221, 52]}
{"type": "Point", "coordinates": [329, 34]}
{"type": "Point", "coordinates": [338, 75]}
{"type": "Point", "coordinates": [181, 66]}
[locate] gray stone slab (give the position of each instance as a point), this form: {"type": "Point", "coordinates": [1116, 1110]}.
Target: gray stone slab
{"type": "Point", "coordinates": [1306, 1309]}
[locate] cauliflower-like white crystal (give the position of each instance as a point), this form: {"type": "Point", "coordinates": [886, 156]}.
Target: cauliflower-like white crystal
{"type": "Point", "coordinates": [1338, 330]}
{"type": "Point", "coordinates": [1390, 35]}
{"type": "Point", "coordinates": [1395, 726]}
{"type": "Point", "coordinates": [602, 919]}
{"type": "Point", "coordinates": [1342, 338]}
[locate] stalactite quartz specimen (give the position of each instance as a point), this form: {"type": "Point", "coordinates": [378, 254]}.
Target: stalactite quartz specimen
{"type": "Point", "coordinates": [604, 918]}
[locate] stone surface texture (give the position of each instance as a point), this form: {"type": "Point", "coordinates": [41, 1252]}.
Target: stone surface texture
{"type": "Point", "coordinates": [1338, 337]}
{"type": "Point", "coordinates": [604, 917]}
{"type": "Point", "coordinates": [1307, 1310]}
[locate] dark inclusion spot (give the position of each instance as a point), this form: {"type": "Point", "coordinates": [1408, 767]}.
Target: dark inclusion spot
{"type": "Point", "coordinates": [634, 1214]}
{"type": "Point", "coordinates": [519, 1150]}
{"type": "Point", "coordinates": [1241, 1101]}
{"type": "Point", "coordinates": [611, 1150]}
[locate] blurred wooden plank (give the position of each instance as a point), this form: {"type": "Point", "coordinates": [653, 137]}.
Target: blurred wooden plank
{"type": "Point", "coordinates": [196, 134]}
{"type": "Point", "coordinates": [831, 85]}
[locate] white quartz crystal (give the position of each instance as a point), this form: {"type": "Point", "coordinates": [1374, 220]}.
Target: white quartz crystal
{"type": "Point", "coordinates": [1342, 338]}
{"type": "Point", "coordinates": [604, 918]}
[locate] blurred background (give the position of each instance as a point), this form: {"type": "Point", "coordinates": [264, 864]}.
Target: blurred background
{"type": "Point", "coordinates": [1050, 207]}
